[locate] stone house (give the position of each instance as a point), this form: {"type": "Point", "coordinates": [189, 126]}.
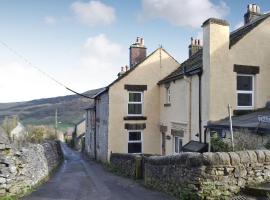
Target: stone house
{"type": "Point", "coordinates": [230, 68]}
{"type": "Point", "coordinates": [79, 134]}
{"type": "Point", "coordinates": [19, 133]}
{"type": "Point", "coordinates": [125, 118]}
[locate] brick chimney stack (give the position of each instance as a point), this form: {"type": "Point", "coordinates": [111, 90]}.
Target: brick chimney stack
{"type": "Point", "coordinates": [253, 12]}
{"type": "Point", "coordinates": [194, 46]}
{"type": "Point", "coordinates": [137, 52]}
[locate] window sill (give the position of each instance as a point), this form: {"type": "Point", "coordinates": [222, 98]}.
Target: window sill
{"type": "Point", "coordinates": [135, 118]}
{"type": "Point", "coordinates": [242, 111]}
{"type": "Point", "coordinates": [167, 105]}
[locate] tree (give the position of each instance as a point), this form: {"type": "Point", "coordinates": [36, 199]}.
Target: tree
{"type": "Point", "coordinates": [9, 124]}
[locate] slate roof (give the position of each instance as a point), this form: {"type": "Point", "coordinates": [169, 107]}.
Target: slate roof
{"type": "Point", "coordinates": [195, 62]}
{"type": "Point", "coordinates": [238, 34]}
{"type": "Point", "coordinates": [248, 121]}
{"type": "Point", "coordinates": [195, 146]}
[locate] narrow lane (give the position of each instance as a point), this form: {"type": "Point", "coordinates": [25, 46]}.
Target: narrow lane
{"type": "Point", "coordinates": [78, 179]}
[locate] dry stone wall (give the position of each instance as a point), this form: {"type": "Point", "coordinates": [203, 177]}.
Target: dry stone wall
{"type": "Point", "coordinates": [21, 169]}
{"type": "Point", "coordinates": [127, 164]}
{"type": "Point", "coordinates": [207, 175]}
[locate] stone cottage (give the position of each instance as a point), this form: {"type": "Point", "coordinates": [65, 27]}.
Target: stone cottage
{"type": "Point", "coordinates": [230, 68]}
{"type": "Point", "coordinates": [125, 118]}
{"type": "Point", "coordinates": [79, 129]}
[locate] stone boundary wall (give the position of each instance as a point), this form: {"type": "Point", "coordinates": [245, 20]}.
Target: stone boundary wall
{"type": "Point", "coordinates": [207, 175]}
{"type": "Point", "coordinates": [22, 169]}
{"type": "Point", "coordinates": [127, 164]}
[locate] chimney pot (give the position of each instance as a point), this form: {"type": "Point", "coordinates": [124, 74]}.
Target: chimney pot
{"type": "Point", "coordinates": [126, 68]}
{"type": "Point", "coordinates": [122, 69]}
{"type": "Point", "coordinates": [142, 41]}
{"type": "Point", "coordinates": [138, 40]}
{"type": "Point", "coordinates": [253, 7]}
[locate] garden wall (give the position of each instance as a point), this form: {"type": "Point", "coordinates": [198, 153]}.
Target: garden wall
{"type": "Point", "coordinates": [21, 169]}
{"type": "Point", "coordinates": [207, 175]}
{"type": "Point", "coordinates": [127, 164]}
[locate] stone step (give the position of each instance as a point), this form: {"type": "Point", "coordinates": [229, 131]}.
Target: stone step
{"type": "Point", "coordinates": [261, 190]}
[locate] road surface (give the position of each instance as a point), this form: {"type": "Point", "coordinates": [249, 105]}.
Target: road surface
{"type": "Point", "coordinates": [79, 179]}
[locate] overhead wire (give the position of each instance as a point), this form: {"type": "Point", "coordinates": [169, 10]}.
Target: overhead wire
{"type": "Point", "coordinates": [41, 71]}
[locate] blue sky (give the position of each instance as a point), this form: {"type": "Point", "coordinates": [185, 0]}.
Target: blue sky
{"type": "Point", "coordinates": [84, 43]}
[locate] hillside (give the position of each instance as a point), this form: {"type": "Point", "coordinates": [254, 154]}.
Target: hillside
{"type": "Point", "coordinates": [42, 111]}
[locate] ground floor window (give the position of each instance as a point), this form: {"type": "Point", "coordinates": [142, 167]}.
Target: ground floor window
{"type": "Point", "coordinates": [134, 142]}
{"type": "Point", "coordinates": [177, 144]}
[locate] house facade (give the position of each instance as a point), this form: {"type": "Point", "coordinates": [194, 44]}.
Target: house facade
{"type": "Point", "coordinates": [127, 111]}
{"type": "Point", "coordinates": [229, 69]}
{"type": "Point", "coordinates": [158, 105]}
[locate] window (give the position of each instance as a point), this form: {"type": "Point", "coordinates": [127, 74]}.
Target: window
{"type": "Point", "coordinates": [177, 144]}
{"type": "Point", "coordinates": [134, 142]}
{"type": "Point", "coordinates": [168, 95]}
{"type": "Point", "coordinates": [245, 91]}
{"type": "Point", "coordinates": [135, 103]}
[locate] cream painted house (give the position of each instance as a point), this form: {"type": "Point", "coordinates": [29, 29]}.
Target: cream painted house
{"type": "Point", "coordinates": [126, 115]}
{"type": "Point", "coordinates": [231, 68]}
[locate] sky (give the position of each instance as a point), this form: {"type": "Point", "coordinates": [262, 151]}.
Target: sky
{"type": "Point", "coordinates": [84, 43]}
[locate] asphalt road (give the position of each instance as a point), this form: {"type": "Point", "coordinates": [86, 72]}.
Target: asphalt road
{"type": "Point", "coordinates": [79, 179]}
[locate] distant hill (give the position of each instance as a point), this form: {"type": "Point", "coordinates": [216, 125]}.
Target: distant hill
{"type": "Point", "coordinates": [42, 111]}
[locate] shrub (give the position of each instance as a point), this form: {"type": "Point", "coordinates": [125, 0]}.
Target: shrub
{"type": "Point", "coordinates": [218, 145]}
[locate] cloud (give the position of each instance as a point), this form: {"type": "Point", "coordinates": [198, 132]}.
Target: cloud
{"type": "Point", "coordinates": [187, 13]}
{"type": "Point", "coordinates": [102, 60]}
{"type": "Point", "coordinates": [97, 66]}
{"type": "Point", "coordinates": [50, 20]}
{"type": "Point", "coordinates": [21, 82]}
{"type": "Point", "coordinates": [93, 13]}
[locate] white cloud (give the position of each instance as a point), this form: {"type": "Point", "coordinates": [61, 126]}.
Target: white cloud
{"type": "Point", "coordinates": [188, 13]}
{"type": "Point", "coordinates": [50, 20]}
{"type": "Point", "coordinates": [93, 13]}
{"type": "Point", "coordinates": [102, 60]}
{"type": "Point", "coordinates": [21, 82]}
{"type": "Point", "coordinates": [97, 66]}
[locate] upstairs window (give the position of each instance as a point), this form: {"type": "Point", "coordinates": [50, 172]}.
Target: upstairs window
{"type": "Point", "coordinates": [168, 95]}
{"type": "Point", "coordinates": [134, 142]}
{"type": "Point", "coordinates": [135, 103]}
{"type": "Point", "coordinates": [245, 91]}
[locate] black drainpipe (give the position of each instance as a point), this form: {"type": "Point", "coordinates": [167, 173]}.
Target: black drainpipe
{"type": "Point", "coordinates": [200, 106]}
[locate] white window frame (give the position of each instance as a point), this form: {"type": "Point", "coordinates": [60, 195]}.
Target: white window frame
{"type": "Point", "coordinates": [135, 141]}
{"type": "Point", "coordinates": [252, 92]}
{"type": "Point", "coordinates": [132, 102]}
{"type": "Point", "coordinates": [179, 138]}
{"type": "Point", "coordinates": [168, 95]}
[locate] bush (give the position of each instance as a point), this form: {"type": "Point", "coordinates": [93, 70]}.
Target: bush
{"type": "Point", "coordinates": [218, 145]}
{"type": "Point", "coordinates": [37, 134]}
